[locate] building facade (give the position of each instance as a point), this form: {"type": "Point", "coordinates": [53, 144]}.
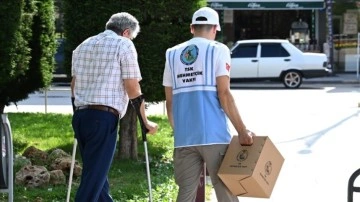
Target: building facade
{"type": "Point", "coordinates": [303, 22]}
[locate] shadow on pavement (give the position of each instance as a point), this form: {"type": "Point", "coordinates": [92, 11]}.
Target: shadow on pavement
{"type": "Point", "coordinates": [347, 89]}
{"type": "Point", "coordinates": [310, 140]}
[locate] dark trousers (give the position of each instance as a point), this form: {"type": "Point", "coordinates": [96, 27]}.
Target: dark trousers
{"type": "Point", "coordinates": [96, 133]}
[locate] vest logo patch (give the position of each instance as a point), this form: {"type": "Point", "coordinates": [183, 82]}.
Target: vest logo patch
{"type": "Point", "coordinates": [227, 66]}
{"type": "Point", "coordinates": [189, 54]}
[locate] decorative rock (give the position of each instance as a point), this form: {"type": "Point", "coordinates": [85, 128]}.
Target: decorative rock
{"type": "Point", "coordinates": [36, 156]}
{"type": "Point", "coordinates": [39, 199]}
{"type": "Point", "coordinates": [57, 153]}
{"type": "Point", "coordinates": [32, 176]}
{"type": "Point", "coordinates": [64, 164]}
{"type": "Point", "coordinates": [57, 177]}
{"type": "Point", "coordinates": [20, 161]}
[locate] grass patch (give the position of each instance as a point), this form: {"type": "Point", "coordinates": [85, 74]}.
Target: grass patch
{"type": "Point", "coordinates": [128, 181]}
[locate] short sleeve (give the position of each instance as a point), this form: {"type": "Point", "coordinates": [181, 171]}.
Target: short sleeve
{"type": "Point", "coordinates": [73, 63]}
{"type": "Point", "coordinates": [223, 63]}
{"type": "Point", "coordinates": [129, 61]}
{"type": "Point", "coordinates": [167, 79]}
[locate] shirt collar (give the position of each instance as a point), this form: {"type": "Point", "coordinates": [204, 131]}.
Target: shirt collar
{"type": "Point", "coordinates": [110, 32]}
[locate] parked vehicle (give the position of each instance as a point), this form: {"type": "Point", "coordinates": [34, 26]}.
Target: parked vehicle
{"type": "Point", "coordinates": [275, 60]}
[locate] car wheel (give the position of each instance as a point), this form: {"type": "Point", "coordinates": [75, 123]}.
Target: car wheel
{"type": "Point", "coordinates": [292, 79]}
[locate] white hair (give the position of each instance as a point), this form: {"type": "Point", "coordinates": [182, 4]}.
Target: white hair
{"type": "Point", "coordinates": [119, 22]}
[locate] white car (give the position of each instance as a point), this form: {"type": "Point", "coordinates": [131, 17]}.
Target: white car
{"type": "Point", "coordinates": [275, 60]}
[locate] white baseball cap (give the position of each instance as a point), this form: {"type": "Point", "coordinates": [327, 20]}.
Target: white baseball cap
{"type": "Point", "coordinates": [206, 16]}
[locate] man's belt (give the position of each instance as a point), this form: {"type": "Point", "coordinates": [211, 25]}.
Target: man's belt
{"type": "Point", "coordinates": [100, 107]}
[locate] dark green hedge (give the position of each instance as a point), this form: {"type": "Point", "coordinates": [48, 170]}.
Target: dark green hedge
{"type": "Point", "coordinates": [163, 23]}
{"type": "Point", "coordinates": [27, 48]}
{"type": "Point", "coordinates": [43, 45]}
{"type": "Point", "coordinates": [15, 19]}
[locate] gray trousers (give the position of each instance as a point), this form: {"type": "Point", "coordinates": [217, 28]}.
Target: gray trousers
{"type": "Point", "coordinates": [188, 164]}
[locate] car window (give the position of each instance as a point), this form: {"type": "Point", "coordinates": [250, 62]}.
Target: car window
{"type": "Point", "coordinates": [273, 50]}
{"type": "Point", "coordinates": [245, 51]}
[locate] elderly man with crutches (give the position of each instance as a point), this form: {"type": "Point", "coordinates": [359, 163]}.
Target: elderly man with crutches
{"type": "Point", "coordinates": [105, 77]}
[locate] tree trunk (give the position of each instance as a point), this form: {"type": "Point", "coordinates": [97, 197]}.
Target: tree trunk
{"type": "Point", "coordinates": [128, 135]}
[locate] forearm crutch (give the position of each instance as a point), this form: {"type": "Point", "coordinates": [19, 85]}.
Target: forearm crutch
{"type": "Point", "coordinates": [136, 103]}
{"type": "Point", "coordinates": [72, 160]}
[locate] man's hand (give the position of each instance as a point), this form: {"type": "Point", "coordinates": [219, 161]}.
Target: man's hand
{"type": "Point", "coordinates": [151, 126]}
{"type": "Point", "coordinates": [245, 139]}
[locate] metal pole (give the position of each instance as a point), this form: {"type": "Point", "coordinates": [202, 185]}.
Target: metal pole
{"type": "Point", "coordinates": [330, 33]}
{"type": "Point", "coordinates": [144, 131]}
{"type": "Point", "coordinates": [7, 142]}
{"type": "Point", "coordinates": [148, 171]}
{"type": "Point", "coordinates": [72, 160]}
{"type": "Point", "coordinates": [71, 170]}
{"type": "Point", "coordinates": [357, 58]}
{"type": "Point", "coordinates": [46, 101]}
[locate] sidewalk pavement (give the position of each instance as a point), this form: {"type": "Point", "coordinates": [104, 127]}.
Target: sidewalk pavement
{"type": "Point", "coordinates": [63, 105]}
{"type": "Point", "coordinates": [337, 78]}
{"type": "Point", "coordinates": [352, 77]}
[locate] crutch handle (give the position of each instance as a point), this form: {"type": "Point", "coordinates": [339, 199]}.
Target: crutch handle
{"type": "Point", "coordinates": [136, 103]}
{"type": "Point", "coordinates": [144, 130]}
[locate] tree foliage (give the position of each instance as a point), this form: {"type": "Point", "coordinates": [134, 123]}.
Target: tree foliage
{"type": "Point", "coordinates": [43, 45]}
{"type": "Point", "coordinates": [27, 48]}
{"type": "Point", "coordinates": [14, 51]}
{"type": "Point", "coordinates": [163, 24]}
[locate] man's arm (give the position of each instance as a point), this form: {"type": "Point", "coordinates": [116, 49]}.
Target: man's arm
{"type": "Point", "coordinates": [229, 106]}
{"type": "Point", "coordinates": [133, 90]}
{"type": "Point", "coordinates": [168, 96]}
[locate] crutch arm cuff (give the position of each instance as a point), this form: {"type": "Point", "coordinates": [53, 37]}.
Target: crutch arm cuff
{"type": "Point", "coordinates": [136, 103]}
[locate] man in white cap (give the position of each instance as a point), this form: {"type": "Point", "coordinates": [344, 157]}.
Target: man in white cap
{"type": "Point", "coordinates": [199, 104]}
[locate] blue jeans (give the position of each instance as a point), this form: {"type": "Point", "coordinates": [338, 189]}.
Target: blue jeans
{"type": "Point", "coordinates": [96, 133]}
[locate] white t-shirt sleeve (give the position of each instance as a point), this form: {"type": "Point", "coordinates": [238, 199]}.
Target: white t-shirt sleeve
{"type": "Point", "coordinates": [167, 79]}
{"type": "Point", "coordinates": [223, 62]}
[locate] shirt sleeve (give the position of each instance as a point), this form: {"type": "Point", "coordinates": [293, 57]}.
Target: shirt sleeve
{"type": "Point", "coordinates": [223, 63]}
{"type": "Point", "coordinates": [167, 79]}
{"type": "Point", "coordinates": [129, 61]}
{"type": "Point", "coordinates": [73, 63]}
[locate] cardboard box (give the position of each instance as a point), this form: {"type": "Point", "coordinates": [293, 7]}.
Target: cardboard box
{"type": "Point", "coordinates": [251, 171]}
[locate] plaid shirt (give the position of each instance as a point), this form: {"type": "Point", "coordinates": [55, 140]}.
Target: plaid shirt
{"type": "Point", "coordinates": [99, 65]}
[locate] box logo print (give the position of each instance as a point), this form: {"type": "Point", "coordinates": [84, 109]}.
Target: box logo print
{"type": "Point", "coordinates": [268, 168]}
{"type": "Point", "coordinates": [242, 155]}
